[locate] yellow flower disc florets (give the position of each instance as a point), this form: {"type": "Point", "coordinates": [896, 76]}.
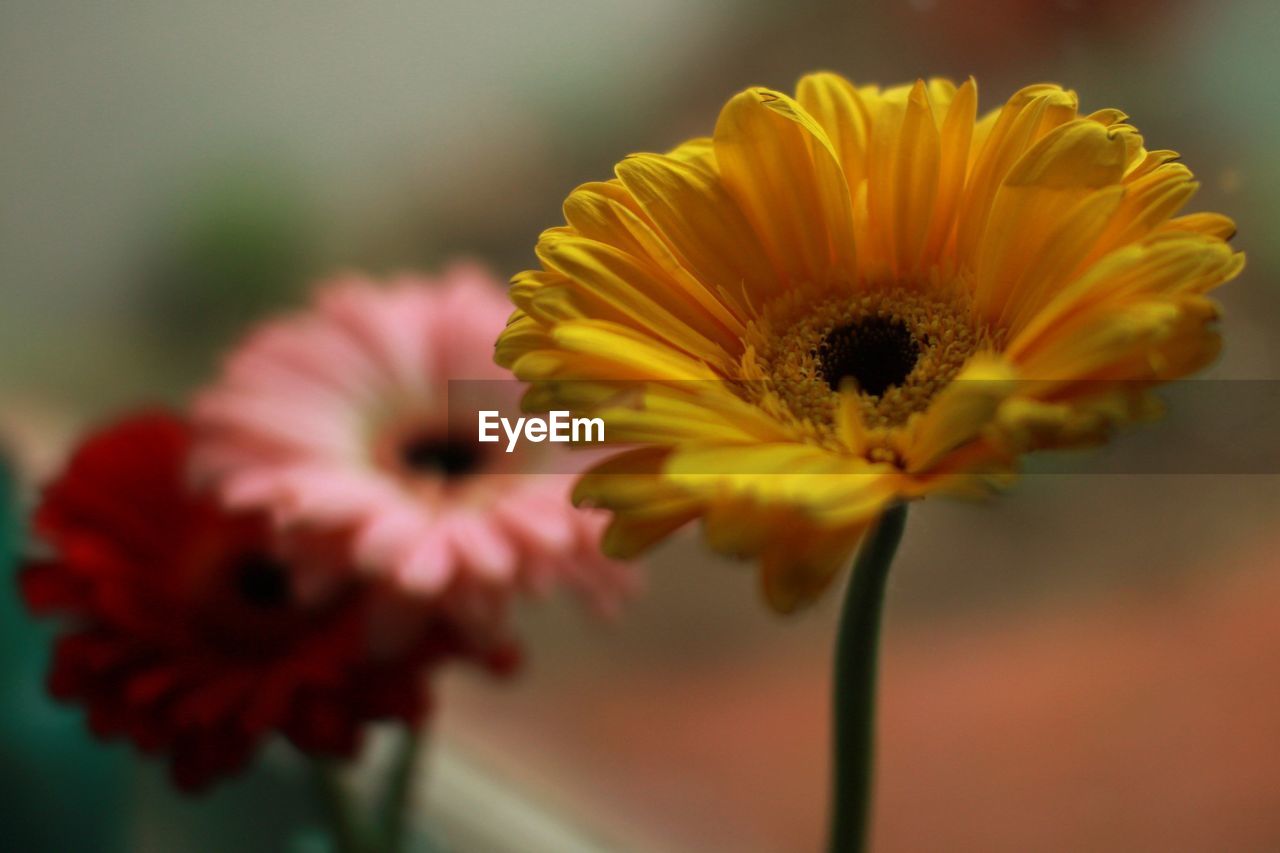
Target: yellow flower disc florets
{"type": "Point", "coordinates": [894, 346]}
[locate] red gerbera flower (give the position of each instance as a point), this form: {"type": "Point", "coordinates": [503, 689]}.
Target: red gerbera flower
{"type": "Point", "coordinates": [196, 634]}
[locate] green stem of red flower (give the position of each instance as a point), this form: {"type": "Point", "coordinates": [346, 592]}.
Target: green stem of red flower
{"type": "Point", "coordinates": [394, 811]}
{"type": "Point", "coordinates": [854, 689]}
{"type": "Point", "coordinates": [338, 808]}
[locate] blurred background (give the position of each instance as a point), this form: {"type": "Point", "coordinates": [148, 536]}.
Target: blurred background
{"type": "Point", "coordinates": [1090, 663]}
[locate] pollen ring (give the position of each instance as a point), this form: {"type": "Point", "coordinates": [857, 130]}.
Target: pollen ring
{"type": "Point", "coordinates": [894, 346]}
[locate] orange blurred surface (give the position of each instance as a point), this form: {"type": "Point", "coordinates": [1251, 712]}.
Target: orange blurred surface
{"type": "Point", "coordinates": [1117, 722]}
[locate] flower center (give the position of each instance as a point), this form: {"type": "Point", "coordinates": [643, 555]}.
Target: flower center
{"type": "Point", "coordinates": [877, 352]}
{"type": "Point", "coordinates": [437, 455]}
{"type": "Point", "coordinates": [262, 581]}
{"type": "Point", "coordinates": [893, 346]}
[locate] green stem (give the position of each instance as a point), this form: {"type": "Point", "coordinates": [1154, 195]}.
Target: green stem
{"type": "Point", "coordinates": [854, 691]}
{"type": "Point", "coordinates": [338, 808]}
{"type": "Point", "coordinates": [396, 799]}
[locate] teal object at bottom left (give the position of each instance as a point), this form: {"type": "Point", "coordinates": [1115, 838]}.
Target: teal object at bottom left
{"type": "Point", "coordinates": [59, 788]}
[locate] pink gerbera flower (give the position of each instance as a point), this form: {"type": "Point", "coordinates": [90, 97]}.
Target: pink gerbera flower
{"type": "Point", "coordinates": [338, 419]}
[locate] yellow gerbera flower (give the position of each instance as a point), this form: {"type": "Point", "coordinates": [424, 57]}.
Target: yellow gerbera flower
{"type": "Point", "coordinates": [860, 296]}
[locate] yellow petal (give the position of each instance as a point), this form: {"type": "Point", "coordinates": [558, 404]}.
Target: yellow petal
{"type": "Point", "coordinates": [1054, 175]}
{"type": "Point", "coordinates": [779, 165]}
{"type": "Point", "coordinates": [796, 569]}
{"type": "Point", "coordinates": [699, 153]}
{"type": "Point", "coordinates": [835, 104]}
{"type": "Point", "coordinates": [960, 412]}
{"type": "Point", "coordinates": [1004, 137]}
{"type": "Point", "coordinates": [702, 224]}
{"type": "Point", "coordinates": [1174, 264]}
{"type": "Point", "coordinates": [836, 490]}
{"type": "Point", "coordinates": [955, 138]}
{"type": "Point", "coordinates": [522, 334]}
{"type": "Point", "coordinates": [643, 299]}
{"type": "Point", "coordinates": [601, 217]}
{"type": "Point", "coordinates": [624, 347]}
{"type": "Point", "coordinates": [1211, 224]}
{"type": "Point", "coordinates": [1060, 256]}
{"type": "Point", "coordinates": [1150, 200]}
{"type": "Point", "coordinates": [902, 186]}
{"type": "Point", "coordinates": [689, 411]}
{"type": "Point", "coordinates": [646, 507]}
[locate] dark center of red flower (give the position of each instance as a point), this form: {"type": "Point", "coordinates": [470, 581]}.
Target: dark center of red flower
{"type": "Point", "coordinates": [440, 456]}
{"type": "Point", "coordinates": [876, 352]}
{"type": "Point", "coordinates": [262, 581]}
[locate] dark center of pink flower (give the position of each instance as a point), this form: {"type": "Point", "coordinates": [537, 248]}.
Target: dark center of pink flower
{"type": "Point", "coordinates": [440, 456]}
{"type": "Point", "coordinates": [262, 581]}
{"type": "Point", "coordinates": [876, 352]}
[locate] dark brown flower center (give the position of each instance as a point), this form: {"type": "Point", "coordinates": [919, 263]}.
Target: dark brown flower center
{"type": "Point", "coordinates": [876, 352]}
{"type": "Point", "coordinates": [439, 456]}
{"type": "Point", "coordinates": [262, 581]}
